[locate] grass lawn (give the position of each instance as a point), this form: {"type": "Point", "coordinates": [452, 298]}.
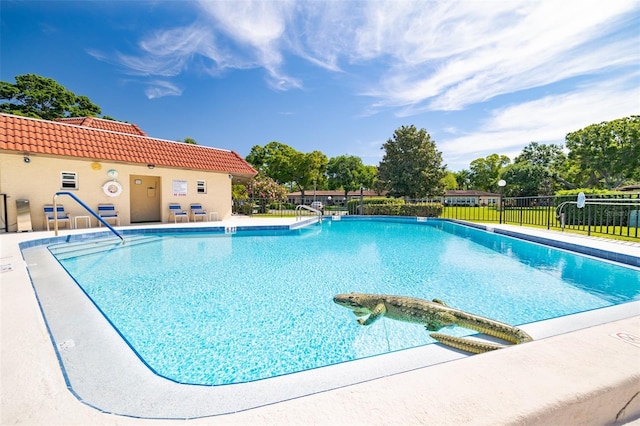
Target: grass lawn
{"type": "Point", "coordinates": [538, 217]}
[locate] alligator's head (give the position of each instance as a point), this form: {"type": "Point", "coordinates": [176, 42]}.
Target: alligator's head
{"type": "Point", "coordinates": [355, 301]}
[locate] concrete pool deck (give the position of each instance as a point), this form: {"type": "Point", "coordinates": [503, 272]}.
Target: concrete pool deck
{"type": "Point", "coordinates": [589, 376]}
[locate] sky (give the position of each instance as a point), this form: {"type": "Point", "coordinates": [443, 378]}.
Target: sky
{"type": "Point", "coordinates": [481, 77]}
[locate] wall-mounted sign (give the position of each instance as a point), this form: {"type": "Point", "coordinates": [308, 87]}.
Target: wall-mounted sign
{"type": "Point", "coordinates": [179, 188]}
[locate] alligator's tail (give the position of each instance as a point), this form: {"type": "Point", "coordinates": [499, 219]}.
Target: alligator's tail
{"type": "Point", "coordinates": [467, 345]}
{"type": "Point", "coordinates": [487, 326]}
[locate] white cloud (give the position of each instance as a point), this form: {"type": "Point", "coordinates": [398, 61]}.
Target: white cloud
{"type": "Point", "coordinates": [546, 120]}
{"type": "Point", "coordinates": [411, 56]}
{"type": "Point", "coordinates": [259, 27]}
{"type": "Point", "coordinates": [491, 48]}
{"type": "Point", "coordinates": [159, 88]}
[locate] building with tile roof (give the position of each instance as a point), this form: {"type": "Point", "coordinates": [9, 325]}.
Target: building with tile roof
{"type": "Point", "coordinates": [460, 197]}
{"type": "Point", "coordinates": [101, 161]}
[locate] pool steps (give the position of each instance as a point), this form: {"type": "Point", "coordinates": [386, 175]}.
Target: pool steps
{"type": "Point", "coordinates": [64, 251]}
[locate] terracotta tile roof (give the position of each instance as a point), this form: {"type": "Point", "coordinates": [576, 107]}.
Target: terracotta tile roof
{"type": "Point", "coordinates": [101, 123]}
{"type": "Point", "coordinates": [33, 136]}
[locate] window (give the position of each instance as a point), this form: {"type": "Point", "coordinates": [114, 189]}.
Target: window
{"type": "Point", "coordinates": [68, 180]}
{"type": "Point", "coordinates": [201, 187]}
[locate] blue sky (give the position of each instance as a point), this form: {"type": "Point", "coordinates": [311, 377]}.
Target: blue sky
{"type": "Point", "coordinates": [481, 77]}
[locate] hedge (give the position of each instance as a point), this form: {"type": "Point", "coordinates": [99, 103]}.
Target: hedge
{"type": "Point", "coordinates": [394, 207]}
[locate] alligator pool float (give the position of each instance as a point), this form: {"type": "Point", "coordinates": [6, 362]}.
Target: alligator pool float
{"type": "Point", "coordinates": [433, 315]}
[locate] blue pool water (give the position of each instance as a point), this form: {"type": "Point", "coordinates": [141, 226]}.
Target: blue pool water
{"type": "Point", "coordinates": [217, 309]}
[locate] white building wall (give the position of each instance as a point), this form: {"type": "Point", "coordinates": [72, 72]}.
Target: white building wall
{"type": "Point", "coordinates": [39, 180]}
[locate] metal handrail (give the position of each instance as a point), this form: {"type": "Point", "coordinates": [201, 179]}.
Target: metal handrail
{"type": "Point", "coordinates": [87, 208]}
{"type": "Point", "coordinates": [300, 207]}
{"type": "Point", "coordinates": [608, 202]}
{"type": "Point", "coordinates": [623, 202]}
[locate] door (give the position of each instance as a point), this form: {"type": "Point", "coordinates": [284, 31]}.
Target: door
{"type": "Point", "coordinates": [145, 198]}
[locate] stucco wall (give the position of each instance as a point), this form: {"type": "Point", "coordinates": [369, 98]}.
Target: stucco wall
{"type": "Point", "coordinates": [39, 180]}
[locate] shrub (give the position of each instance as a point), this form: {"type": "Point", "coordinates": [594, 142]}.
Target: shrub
{"type": "Point", "coordinates": [394, 207]}
{"type": "Point", "coordinates": [353, 205]}
{"type": "Point", "coordinates": [422, 209]}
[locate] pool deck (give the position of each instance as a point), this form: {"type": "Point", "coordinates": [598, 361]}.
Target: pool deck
{"type": "Point", "coordinates": [590, 376]}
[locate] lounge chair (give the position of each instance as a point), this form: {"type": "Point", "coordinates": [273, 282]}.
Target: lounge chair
{"type": "Point", "coordinates": [108, 212]}
{"type": "Point", "coordinates": [197, 211]}
{"type": "Point", "coordinates": [176, 211]}
{"type": "Point", "coordinates": [63, 216]}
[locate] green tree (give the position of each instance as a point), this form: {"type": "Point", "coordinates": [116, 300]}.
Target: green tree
{"type": "Point", "coordinates": [369, 177]}
{"type": "Point", "coordinates": [485, 172]}
{"type": "Point", "coordinates": [525, 180]}
{"type": "Point", "coordinates": [308, 170]}
{"type": "Point", "coordinates": [411, 166]}
{"type": "Point", "coordinates": [606, 154]}
{"type": "Point", "coordinates": [40, 97]}
{"type": "Point", "coordinates": [463, 179]}
{"type": "Point", "coordinates": [190, 141]}
{"type": "Point", "coordinates": [449, 181]}
{"type": "Point", "coordinates": [288, 166]}
{"type": "Point", "coordinates": [276, 160]}
{"type": "Point", "coordinates": [347, 172]}
{"type": "Point", "coordinates": [539, 170]}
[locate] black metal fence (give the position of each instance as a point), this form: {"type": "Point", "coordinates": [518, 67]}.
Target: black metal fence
{"type": "Point", "coordinates": [595, 214]}
{"type": "Point", "coordinates": [598, 214]}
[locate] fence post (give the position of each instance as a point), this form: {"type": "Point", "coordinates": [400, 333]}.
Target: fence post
{"type": "Point", "coordinates": [521, 213]}
{"type": "Point", "coordinates": [548, 214]}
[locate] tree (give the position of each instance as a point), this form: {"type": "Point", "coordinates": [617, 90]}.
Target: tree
{"type": "Point", "coordinates": [485, 172]}
{"type": "Point", "coordinates": [369, 177]}
{"type": "Point", "coordinates": [40, 97]}
{"type": "Point", "coordinates": [308, 169]}
{"type": "Point", "coordinates": [275, 160]}
{"type": "Point", "coordinates": [539, 170]}
{"type": "Point", "coordinates": [525, 180]}
{"type": "Point", "coordinates": [347, 172]}
{"type": "Point", "coordinates": [449, 181]}
{"type": "Point", "coordinates": [547, 156]}
{"type": "Point", "coordinates": [190, 141]}
{"type": "Point", "coordinates": [411, 166]}
{"type": "Point", "coordinates": [265, 190]}
{"type": "Point", "coordinates": [463, 179]}
{"type": "Point", "coordinates": [607, 154]}
{"type": "Point", "coordinates": [288, 166]}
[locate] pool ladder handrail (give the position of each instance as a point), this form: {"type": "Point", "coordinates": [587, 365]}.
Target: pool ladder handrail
{"type": "Point", "coordinates": [87, 208]}
{"type": "Point", "coordinates": [301, 207]}
{"type": "Point", "coordinates": [592, 202]}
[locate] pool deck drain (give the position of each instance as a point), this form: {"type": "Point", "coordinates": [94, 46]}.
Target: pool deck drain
{"type": "Point", "coordinates": [589, 376]}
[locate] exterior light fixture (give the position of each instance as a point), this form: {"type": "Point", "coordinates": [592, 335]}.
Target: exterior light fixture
{"type": "Point", "coordinates": [26, 159]}
{"type": "Point", "coordinates": [151, 166]}
{"type": "Point", "coordinates": [501, 184]}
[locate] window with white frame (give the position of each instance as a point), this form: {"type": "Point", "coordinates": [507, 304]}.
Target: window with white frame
{"type": "Point", "coordinates": [68, 180]}
{"type": "Point", "coordinates": [201, 187]}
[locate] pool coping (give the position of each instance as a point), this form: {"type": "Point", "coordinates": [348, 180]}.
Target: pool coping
{"type": "Point", "coordinates": [321, 374]}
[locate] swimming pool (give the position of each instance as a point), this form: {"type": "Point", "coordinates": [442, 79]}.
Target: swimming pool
{"type": "Point", "coordinates": [220, 308]}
